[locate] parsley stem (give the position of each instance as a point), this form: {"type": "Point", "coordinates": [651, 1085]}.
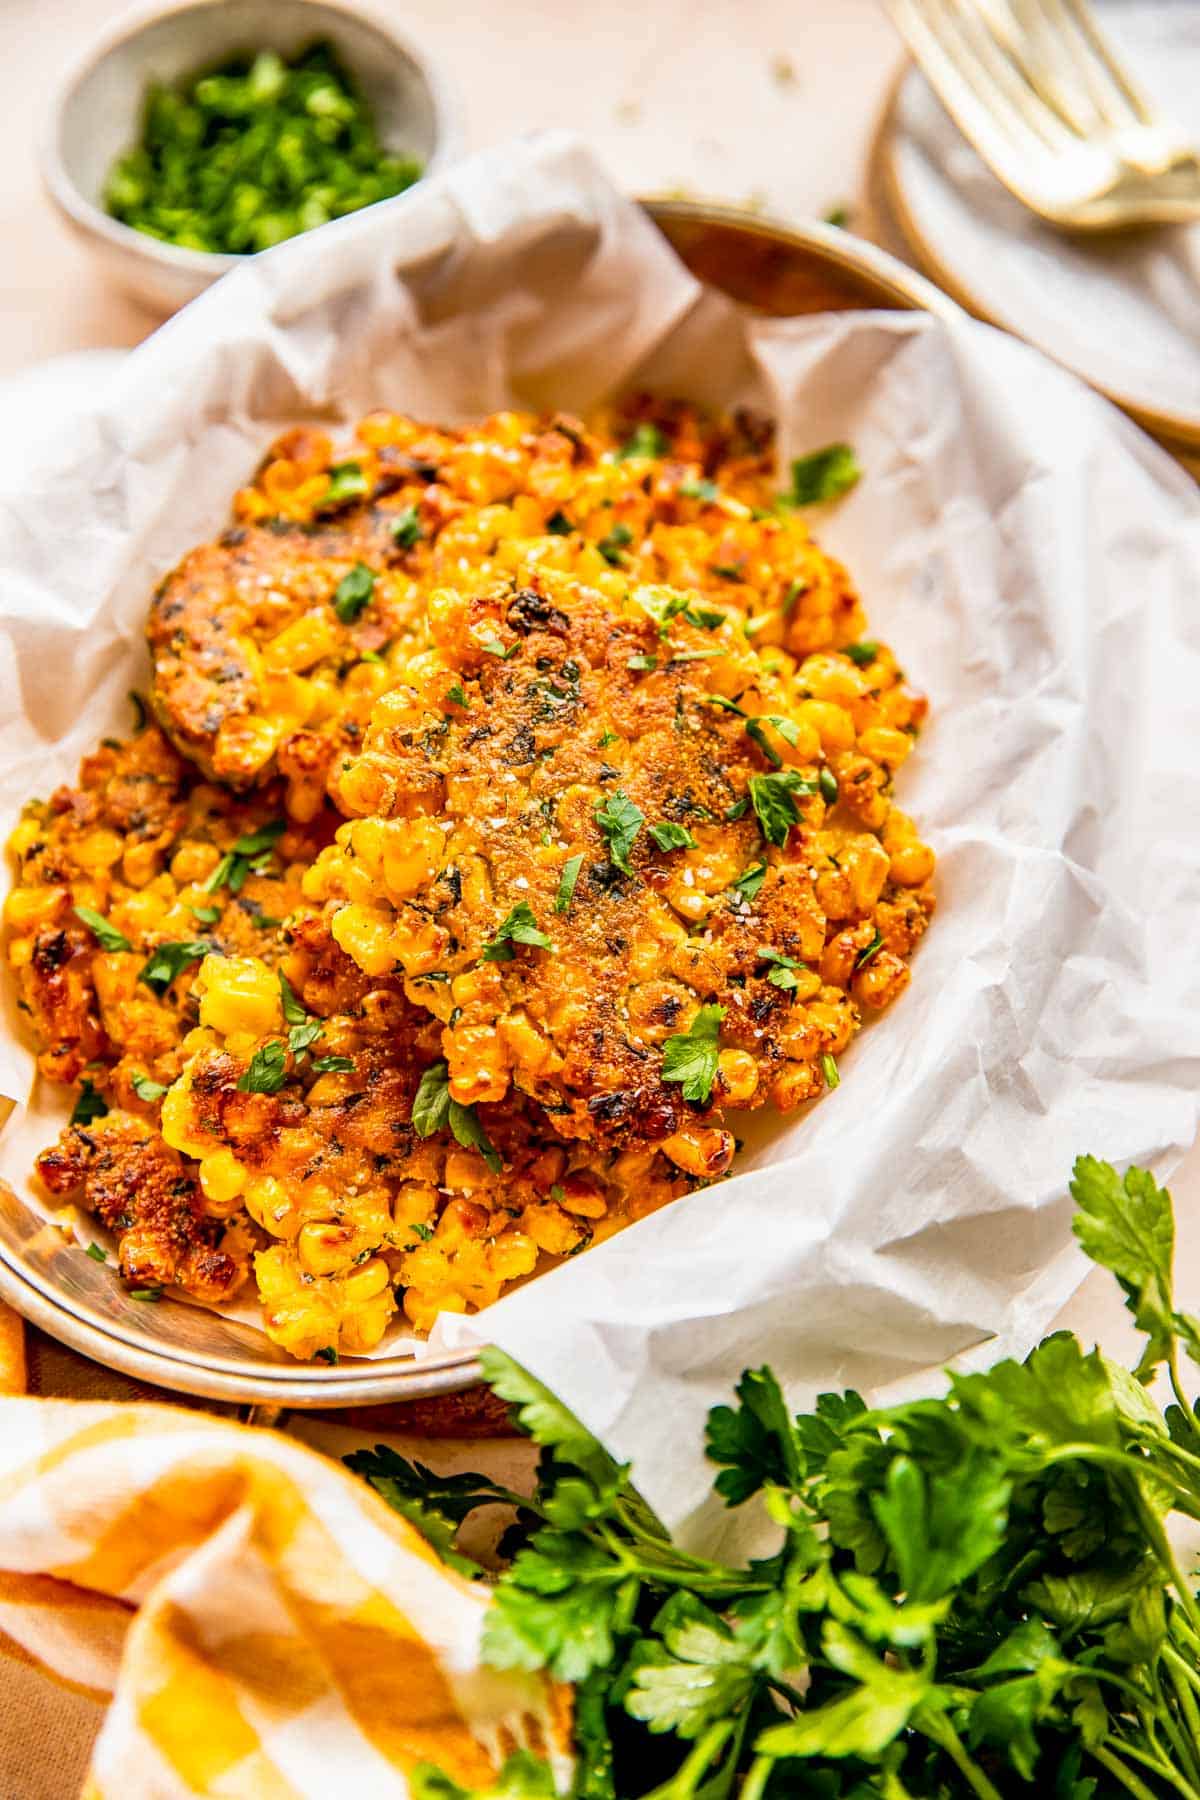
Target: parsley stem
{"type": "Point", "coordinates": [685, 1780]}
{"type": "Point", "coordinates": [1185, 1405]}
{"type": "Point", "coordinates": [1108, 1760]}
{"type": "Point", "coordinates": [937, 1727]}
{"type": "Point", "coordinates": [1182, 1679]}
{"type": "Point", "coordinates": [757, 1778]}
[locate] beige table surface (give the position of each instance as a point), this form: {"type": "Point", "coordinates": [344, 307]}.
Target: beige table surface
{"type": "Point", "coordinates": [769, 103]}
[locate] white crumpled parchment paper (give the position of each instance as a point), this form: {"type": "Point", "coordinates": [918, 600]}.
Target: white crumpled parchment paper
{"type": "Point", "coordinates": [1035, 560]}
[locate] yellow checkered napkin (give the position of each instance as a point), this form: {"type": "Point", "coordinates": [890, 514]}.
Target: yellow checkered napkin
{"type": "Point", "coordinates": [265, 1626]}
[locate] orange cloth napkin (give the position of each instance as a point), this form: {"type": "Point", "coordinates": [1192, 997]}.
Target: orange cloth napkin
{"type": "Point", "coordinates": [264, 1625]}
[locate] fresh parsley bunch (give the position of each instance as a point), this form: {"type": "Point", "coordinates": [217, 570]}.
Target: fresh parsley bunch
{"type": "Point", "coordinates": [972, 1595]}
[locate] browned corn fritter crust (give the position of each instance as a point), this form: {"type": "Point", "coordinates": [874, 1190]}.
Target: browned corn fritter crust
{"type": "Point", "coordinates": [476, 643]}
{"type": "Point", "coordinates": [494, 765]}
{"type": "Point", "coordinates": [120, 1169]}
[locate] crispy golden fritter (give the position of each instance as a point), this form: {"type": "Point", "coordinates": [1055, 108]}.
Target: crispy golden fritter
{"type": "Point", "coordinates": [585, 820]}
{"type": "Point", "coordinates": [265, 660]}
{"type": "Point", "coordinates": [167, 1233]}
{"type": "Point", "coordinates": [145, 844]}
{"type": "Point", "coordinates": [328, 1162]}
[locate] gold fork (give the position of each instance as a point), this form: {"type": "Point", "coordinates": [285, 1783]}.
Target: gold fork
{"type": "Point", "coordinates": [1040, 94]}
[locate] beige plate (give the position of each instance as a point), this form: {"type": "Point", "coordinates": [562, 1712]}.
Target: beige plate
{"type": "Point", "coordinates": [778, 269]}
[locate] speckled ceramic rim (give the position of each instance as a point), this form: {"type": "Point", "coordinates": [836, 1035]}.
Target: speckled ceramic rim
{"type": "Point", "coordinates": [1174, 430]}
{"type": "Point", "coordinates": [826, 254]}
{"type": "Point", "coordinates": [129, 24]}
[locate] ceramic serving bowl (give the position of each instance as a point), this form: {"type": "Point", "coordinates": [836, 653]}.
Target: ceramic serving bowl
{"type": "Point", "coordinates": [774, 268]}
{"type": "Point", "coordinates": [93, 116]}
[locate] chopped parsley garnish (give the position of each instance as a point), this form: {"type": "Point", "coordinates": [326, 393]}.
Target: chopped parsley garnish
{"type": "Point", "coordinates": [750, 881]}
{"type": "Point", "coordinates": [97, 1252]}
{"type": "Point", "coordinates": [669, 836]}
{"type": "Point", "coordinates": [353, 592]}
{"type": "Point", "coordinates": [406, 528]}
{"type": "Point", "coordinates": [327, 1355]}
{"type": "Point", "coordinates": [267, 1070]}
{"type": "Point", "coordinates": [333, 1065]}
{"type": "Point", "coordinates": [864, 654]}
{"type": "Point", "coordinates": [106, 935]}
{"type": "Point", "coordinates": [169, 960]}
{"type": "Point", "coordinates": [738, 809]}
{"type": "Point", "coordinates": [787, 730]}
{"type": "Point", "coordinates": [872, 950]}
{"type": "Point", "coordinates": [783, 972]}
{"type": "Point", "coordinates": [661, 603]}
{"type": "Point", "coordinates": [643, 660]}
{"type": "Point", "coordinates": [90, 1105]}
{"type": "Point", "coordinates": [699, 490]}
{"type": "Point", "coordinates": [207, 915]}
{"type": "Point", "coordinates": [433, 1108]}
{"type": "Point", "coordinates": [829, 1069]}
{"type": "Point", "coordinates": [566, 883]}
{"type": "Point", "coordinates": [611, 545]}
{"type": "Point", "coordinates": [619, 821]}
{"type": "Point", "coordinates": [148, 1090]}
{"type": "Point", "coordinates": [495, 647]}
{"type": "Point", "coordinates": [727, 571]}
{"type": "Point", "coordinates": [146, 1293]}
{"type": "Point", "coordinates": [457, 694]}
{"type": "Point", "coordinates": [609, 737]}
{"type": "Point", "coordinates": [645, 440]}
{"type": "Point", "coordinates": [369, 656]}
{"type": "Point", "coordinates": [691, 1057]}
{"type": "Point", "coordinates": [293, 1012]}
{"type": "Point", "coordinates": [520, 927]}
{"type": "Point", "coordinates": [794, 590]}
{"type": "Point", "coordinates": [827, 781]}
{"type": "Point", "coordinates": [346, 482]}
{"type": "Point", "coordinates": [773, 800]}
{"type": "Point", "coordinates": [837, 215]}
{"type": "Point", "coordinates": [706, 617]}
{"type": "Point", "coordinates": [420, 1230]}
{"type": "Point", "coordinates": [251, 855]}
{"type": "Point", "coordinates": [558, 525]}
{"type": "Point", "coordinates": [823, 475]}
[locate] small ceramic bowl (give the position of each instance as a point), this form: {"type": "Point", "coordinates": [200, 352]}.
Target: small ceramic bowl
{"type": "Point", "coordinates": [94, 114]}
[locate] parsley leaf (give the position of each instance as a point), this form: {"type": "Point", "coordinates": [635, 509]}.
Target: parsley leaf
{"type": "Point", "coordinates": [824, 474]}
{"type": "Point", "coordinates": [643, 660]}
{"type": "Point", "coordinates": [353, 592]}
{"type": "Point", "coordinates": [267, 1070]}
{"type": "Point", "coordinates": [645, 440]}
{"type": "Point", "coordinates": [662, 604]}
{"type": "Point", "coordinates": [106, 935]}
{"type": "Point", "coordinates": [699, 490]}
{"type": "Point", "coordinates": [619, 821]}
{"type": "Point", "coordinates": [1126, 1225]}
{"type": "Point", "coordinates": [346, 482]}
{"type": "Point", "coordinates": [523, 1776]}
{"type": "Point", "coordinates": [406, 528]}
{"type": "Point", "coordinates": [829, 1069]}
{"type": "Point", "coordinates": [520, 927]}
{"type": "Point", "coordinates": [669, 836]}
{"type": "Point", "coordinates": [872, 950]}
{"type": "Point", "coordinates": [433, 1108]}
{"type": "Point", "coordinates": [613, 543]}
{"type": "Point", "coordinates": [89, 1106]}
{"type": "Point", "coordinates": [293, 1012]}
{"type": "Point", "coordinates": [456, 694]}
{"type": "Point", "coordinates": [771, 796]}
{"type": "Point", "coordinates": [566, 883]}
{"type": "Point", "coordinates": [863, 654]}
{"type": "Point", "coordinates": [558, 525]}
{"type": "Point", "coordinates": [148, 1090]}
{"type": "Point", "coordinates": [691, 1056]}
{"type": "Point", "coordinates": [97, 1252]}
{"type": "Point", "coordinates": [496, 647]}
{"type": "Point", "coordinates": [435, 1504]}
{"type": "Point", "coordinates": [749, 882]}
{"type": "Point", "coordinates": [332, 1065]}
{"type": "Point", "coordinates": [756, 1442]}
{"type": "Point", "coordinates": [249, 856]}
{"type": "Point", "coordinates": [169, 960]}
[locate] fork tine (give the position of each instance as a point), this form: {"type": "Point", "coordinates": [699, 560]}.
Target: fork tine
{"type": "Point", "coordinates": [1089, 32]}
{"type": "Point", "coordinates": [1038, 43]}
{"type": "Point", "coordinates": [999, 56]}
{"type": "Point", "coordinates": [998, 129]}
{"type": "Point", "coordinates": [1079, 55]}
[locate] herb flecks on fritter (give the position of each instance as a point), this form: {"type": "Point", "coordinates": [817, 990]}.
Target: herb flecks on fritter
{"type": "Point", "coordinates": [123, 884]}
{"type": "Point", "coordinates": [270, 645]}
{"type": "Point", "coordinates": [635, 866]}
{"type": "Point", "coordinates": [318, 1103]}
